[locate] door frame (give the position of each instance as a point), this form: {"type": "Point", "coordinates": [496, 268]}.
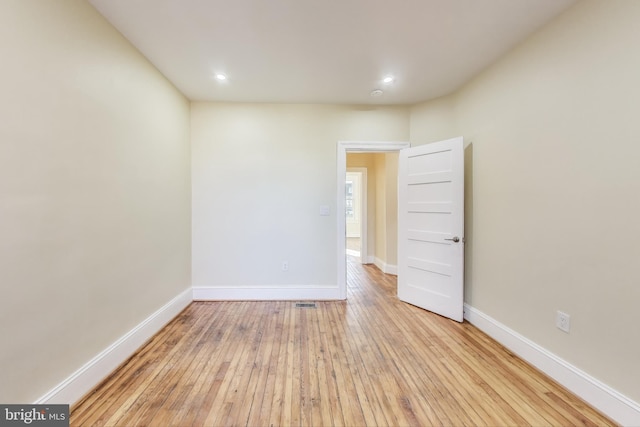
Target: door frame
{"type": "Point", "coordinates": [342, 148]}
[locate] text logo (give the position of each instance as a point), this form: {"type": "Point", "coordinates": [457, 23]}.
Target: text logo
{"type": "Point", "coordinates": [34, 415]}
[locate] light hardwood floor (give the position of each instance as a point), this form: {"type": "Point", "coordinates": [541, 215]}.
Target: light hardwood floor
{"type": "Point", "coordinates": [371, 360]}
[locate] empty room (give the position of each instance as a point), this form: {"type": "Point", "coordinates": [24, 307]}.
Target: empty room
{"type": "Point", "coordinates": [421, 212]}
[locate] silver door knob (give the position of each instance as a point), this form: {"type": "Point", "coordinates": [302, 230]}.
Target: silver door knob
{"type": "Point", "coordinates": [455, 239]}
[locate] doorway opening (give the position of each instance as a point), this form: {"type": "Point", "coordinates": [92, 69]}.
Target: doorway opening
{"type": "Point", "coordinates": [356, 212]}
{"type": "Point", "coordinates": [343, 148]}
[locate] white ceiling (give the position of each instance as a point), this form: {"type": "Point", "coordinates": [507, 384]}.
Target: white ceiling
{"type": "Point", "coordinates": [324, 51]}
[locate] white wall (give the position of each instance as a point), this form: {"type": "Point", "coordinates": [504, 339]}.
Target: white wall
{"type": "Point", "coordinates": [433, 121]}
{"type": "Point", "coordinates": [249, 215]}
{"type": "Point", "coordinates": [554, 195]}
{"type": "Point", "coordinates": [94, 192]}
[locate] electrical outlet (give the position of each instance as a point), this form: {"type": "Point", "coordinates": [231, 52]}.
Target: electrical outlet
{"type": "Point", "coordinates": [563, 321]}
{"type": "Point", "coordinates": [285, 265]}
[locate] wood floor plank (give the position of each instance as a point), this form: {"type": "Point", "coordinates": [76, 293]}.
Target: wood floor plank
{"type": "Point", "coordinates": [348, 410]}
{"type": "Point", "coordinates": [197, 408]}
{"type": "Point", "coordinates": [435, 413]}
{"type": "Point", "coordinates": [153, 392]}
{"type": "Point", "coordinates": [533, 398]}
{"type": "Point", "coordinates": [369, 321]}
{"type": "Point", "coordinates": [227, 395]}
{"type": "Point", "coordinates": [104, 401]}
{"type": "Point", "coordinates": [262, 398]}
{"type": "Point", "coordinates": [371, 360]}
{"type": "Point", "coordinates": [134, 388]}
{"type": "Point", "coordinates": [288, 372]}
{"type": "Point", "coordinates": [191, 378]}
{"type": "Point", "coordinates": [317, 373]}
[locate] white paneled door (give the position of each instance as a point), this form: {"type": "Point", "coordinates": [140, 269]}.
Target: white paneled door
{"type": "Point", "coordinates": [431, 227]}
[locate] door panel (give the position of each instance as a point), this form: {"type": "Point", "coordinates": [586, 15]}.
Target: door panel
{"type": "Point", "coordinates": [433, 192]}
{"type": "Point", "coordinates": [430, 216]}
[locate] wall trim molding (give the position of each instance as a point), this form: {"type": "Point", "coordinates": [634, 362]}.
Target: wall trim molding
{"type": "Point", "coordinates": [386, 268]}
{"type": "Point", "coordinates": [82, 381]}
{"type": "Point", "coordinates": [604, 398]}
{"type": "Point", "coordinates": [272, 293]}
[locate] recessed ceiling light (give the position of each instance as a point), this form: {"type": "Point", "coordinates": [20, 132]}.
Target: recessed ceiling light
{"type": "Point", "coordinates": [221, 77]}
{"type": "Point", "coordinates": [376, 92]}
{"type": "Point", "coordinates": [388, 79]}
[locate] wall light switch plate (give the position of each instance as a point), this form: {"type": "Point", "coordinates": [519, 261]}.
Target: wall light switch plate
{"type": "Point", "coordinates": [324, 210]}
{"type": "Point", "coordinates": [563, 321]}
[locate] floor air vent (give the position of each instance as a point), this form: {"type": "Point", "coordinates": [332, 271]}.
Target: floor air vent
{"type": "Point", "coordinates": [305, 305]}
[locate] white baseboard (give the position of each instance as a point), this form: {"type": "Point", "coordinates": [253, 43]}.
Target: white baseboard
{"type": "Point", "coordinates": [352, 252]}
{"type": "Point", "coordinates": [386, 268]}
{"type": "Point", "coordinates": [76, 386]}
{"type": "Point", "coordinates": [607, 400]}
{"type": "Point", "coordinates": [370, 260]}
{"type": "Point", "coordinates": [275, 293]}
